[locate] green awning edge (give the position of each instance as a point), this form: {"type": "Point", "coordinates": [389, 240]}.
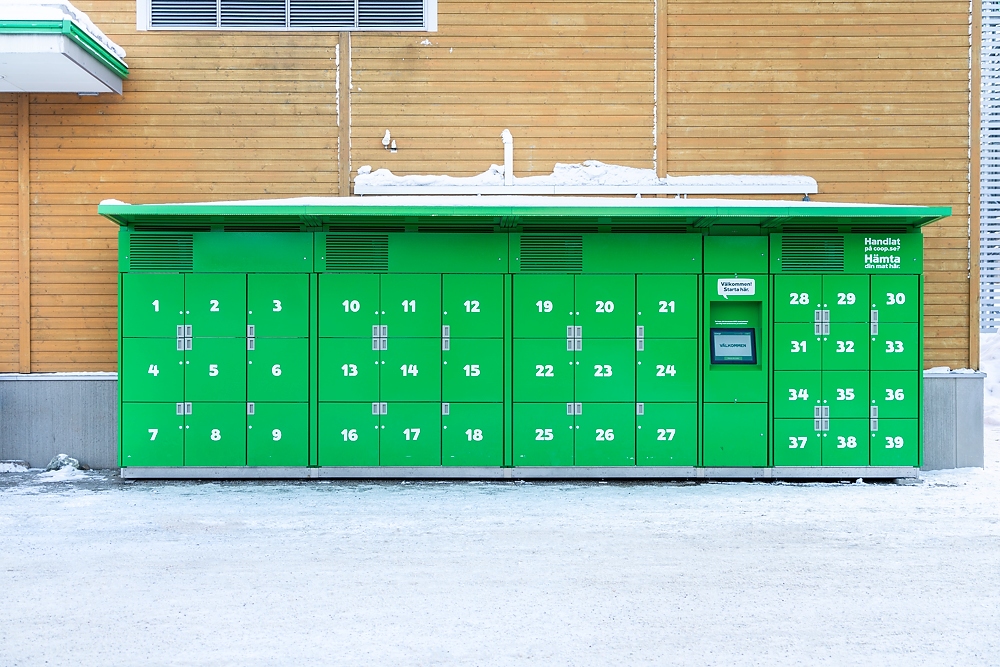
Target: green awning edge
{"type": "Point", "coordinates": [694, 215]}
{"type": "Point", "coordinates": [73, 31]}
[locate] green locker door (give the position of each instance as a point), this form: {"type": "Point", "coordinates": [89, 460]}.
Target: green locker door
{"type": "Point", "coordinates": [278, 305]}
{"type": "Point", "coordinates": [278, 434]}
{"type": "Point", "coordinates": [895, 348]}
{"type": "Point", "coordinates": [152, 435]}
{"type": "Point", "coordinates": [216, 370]}
{"type": "Point", "coordinates": [152, 305]}
{"type": "Point", "coordinates": [278, 370]}
{"type": "Point", "coordinates": [472, 371]}
{"type": "Point", "coordinates": [605, 371]}
{"type": "Point", "coordinates": [152, 370]}
{"type": "Point", "coordinates": [348, 370]}
{"type": "Point", "coordinates": [543, 371]}
{"type": "Point", "coordinates": [846, 348]}
{"type": "Point", "coordinates": [847, 298]}
{"type": "Point", "coordinates": [543, 434]}
{"type": "Point", "coordinates": [666, 434]}
{"type": "Point", "coordinates": [895, 443]}
{"type": "Point", "coordinates": [410, 370]}
{"type": "Point", "coordinates": [797, 298]}
{"type": "Point", "coordinates": [410, 435]}
{"type": "Point", "coordinates": [605, 306]}
{"type": "Point", "coordinates": [215, 434]}
{"type": "Point", "coordinates": [472, 435]}
{"type": "Point", "coordinates": [796, 443]}
{"type": "Point", "coordinates": [846, 443]}
{"type": "Point", "coordinates": [894, 394]}
{"type": "Point", "coordinates": [796, 348]}
{"type": "Point", "coordinates": [473, 305]}
{"type": "Point", "coordinates": [215, 304]}
{"type": "Point", "coordinates": [667, 306]}
{"type": "Point", "coordinates": [348, 434]}
{"type": "Point", "coordinates": [411, 305]}
{"type": "Point", "coordinates": [896, 298]}
{"type": "Point", "coordinates": [543, 306]}
{"type": "Point", "coordinates": [666, 371]}
{"type": "Point", "coordinates": [735, 434]}
{"type": "Point", "coordinates": [846, 394]}
{"type": "Point", "coordinates": [348, 305]}
{"type": "Point", "coordinates": [605, 435]}
{"type": "Point", "coordinates": [796, 393]}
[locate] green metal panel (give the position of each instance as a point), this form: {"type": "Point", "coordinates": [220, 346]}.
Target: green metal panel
{"type": "Point", "coordinates": [846, 443]}
{"type": "Point", "coordinates": [260, 252]}
{"type": "Point", "coordinates": [846, 348]}
{"type": "Point", "coordinates": [411, 305]}
{"type": "Point", "coordinates": [278, 305]}
{"type": "Point", "coordinates": [349, 305]}
{"type": "Point", "coordinates": [895, 443]}
{"type": "Point", "coordinates": [846, 297]}
{"type": "Point", "coordinates": [605, 371]}
{"type": "Point", "coordinates": [411, 435]}
{"type": "Point", "coordinates": [472, 370]}
{"type": "Point", "coordinates": [667, 306]}
{"type": "Point", "coordinates": [543, 370]}
{"type": "Point", "coordinates": [349, 370]}
{"type": "Point", "coordinates": [796, 393]}
{"type": "Point", "coordinates": [152, 435]}
{"type": "Point", "coordinates": [215, 305]}
{"type": "Point", "coordinates": [448, 253]}
{"type": "Point", "coordinates": [605, 435]}
{"type": "Point", "coordinates": [735, 434]}
{"type": "Point", "coordinates": [472, 435]}
{"type": "Point", "coordinates": [313, 370]}
{"type": "Point", "coordinates": [544, 305]}
{"type": "Point", "coordinates": [473, 305]}
{"type": "Point", "coordinates": [880, 254]}
{"type": "Point", "coordinates": [348, 434]}
{"type": "Point", "coordinates": [605, 306]}
{"type": "Point", "coordinates": [896, 348]}
{"type": "Point", "coordinates": [216, 370]}
{"type": "Point", "coordinates": [884, 253]}
{"type": "Point", "coordinates": [543, 435]}
{"type": "Point", "coordinates": [278, 370]}
{"type": "Point", "coordinates": [278, 434]}
{"type": "Point", "coordinates": [215, 434]}
{"type": "Point", "coordinates": [797, 298]}
{"type": "Point", "coordinates": [846, 394]}
{"type": "Point", "coordinates": [896, 298]}
{"type": "Point", "coordinates": [152, 305]}
{"type": "Point", "coordinates": [667, 434]}
{"type": "Point", "coordinates": [152, 370]}
{"type": "Point", "coordinates": [723, 383]}
{"type": "Point", "coordinates": [508, 355]}
{"type": "Point", "coordinates": [732, 255]}
{"type": "Point", "coordinates": [797, 348]}
{"type": "Point", "coordinates": [642, 253]}
{"type": "Point", "coordinates": [796, 443]}
{"type": "Point", "coordinates": [411, 370]}
{"type": "Point", "coordinates": [895, 394]}
{"type": "Point", "coordinates": [666, 370]}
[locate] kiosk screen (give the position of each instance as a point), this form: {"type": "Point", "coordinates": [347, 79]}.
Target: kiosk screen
{"type": "Point", "coordinates": [734, 346]}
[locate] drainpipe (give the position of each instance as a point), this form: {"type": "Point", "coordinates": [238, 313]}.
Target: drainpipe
{"type": "Point", "coordinates": [508, 157]}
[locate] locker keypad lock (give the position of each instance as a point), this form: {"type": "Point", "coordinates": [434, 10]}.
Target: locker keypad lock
{"type": "Point", "coordinates": [734, 346]}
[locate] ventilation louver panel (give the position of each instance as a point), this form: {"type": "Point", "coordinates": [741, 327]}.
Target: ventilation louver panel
{"type": "Point", "coordinates": [288, 14]}
{"type": "Point", "coordinates": [161, 252]}
{"type": "Point", "coordinates": [321, 13]}
{"type": "Point", "coordinates": [812, 254]}
{"type": "Point", "coordinates": [357, 253]}
{"type": "Point", "coordinates": [556, 254]}
{"type": "Point", "coordinates": [184, 13]}
{"type": "Point", "coordinates": [389, 13]}
{"type": "Point", "coordinates": [252, 13]}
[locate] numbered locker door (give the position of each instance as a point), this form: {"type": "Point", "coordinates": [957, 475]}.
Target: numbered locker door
{"type": "Point", "coordinates": [666, 434]}
{"type": "Point", "coordinates": [896, 298]}
{"type": "Point", "coordinates": [472, 370]}
{"type": "Point", "coordinates": [410, 435]}
{"type": "Point", "coordinates": [667, 306]}
{"type": "Point", "coordinates": [846, 297]}
{"type": "Point", "coordinates": [152, 370]}
{"type": "Point", "coordinates": [605, 370]}
{"type": "Point", "coordinates": [605, 434]}
{"type": "Point", "coordinates": [278, 305]}
{"type": "Point", "coordinates": [544, 370]}
{"type": "Point", "coordinates": [846, 348]}
{"type": "Point", "coordinates": [472, 434]}
{"type": "Point", "coordinates": [797, 347]}
{"type": "Point", "coordinates": [543, 434]}
{"type": "Point", "coordinates": [349, 434]}
{"type": "Point", "coordinates": [797, 394]}
{"type": "Point", "coordinates": [543, 306]}
{"type": "Point", "coordinates": [411, 305]}
{"type": "Point", "coordinates": [797, 442]}
{"type": "Point", "coordinates": [215, 305]}
{"type": "Point", "coordinates": [845, 393]}
{"type": "Point", "coordinates": [895, 443]}
{"type": "Point", "coordinates": [798, 298]}
{"type": "Point", "coordinates": [894, 394]}
{"type": "Point", "coordinates": [473, 305]}
{"type": "Point", "coordinates": [349, 305]}
{"type": "Point", "coordinates": [278, 370]}
{"type": "Point", "coordinates": [152, 305]}
{"type": "Point", "coordinates": [152, 434]}
{"type": "Point", "coordinates": [215, 434]}
{"type": "Point", "coordinates": [277, 434]}
{"type": "Point", "coordinates": [667, 371]}
{"type": "Point", "coordinates": [605, 306]}
{"type": "Point", "coordinates": [846, 443]}
{"type": "Point", "coordinates": [896, 347]}
{"type": "Point", "coordinates": [216, 370]}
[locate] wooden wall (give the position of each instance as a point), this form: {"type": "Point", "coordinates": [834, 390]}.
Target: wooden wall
{"type": "Point", "coordinates": [872, 99]}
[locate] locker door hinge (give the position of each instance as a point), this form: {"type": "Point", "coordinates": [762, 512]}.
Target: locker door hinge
{"type": "Point", "coordinates": [250, 408]}
{"type": "Point", "coordinates": [640, 408]}
{"type": "Point", "coordinates": [445, 409]}
{"type": "Point", "coordinates": [187, 408]}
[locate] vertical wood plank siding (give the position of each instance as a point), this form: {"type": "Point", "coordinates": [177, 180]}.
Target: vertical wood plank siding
{"type": "Point", "coordinates": [872, 99]}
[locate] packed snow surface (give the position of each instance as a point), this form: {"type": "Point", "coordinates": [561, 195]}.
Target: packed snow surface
{"type": "Point", "coordinates": [56, 10]}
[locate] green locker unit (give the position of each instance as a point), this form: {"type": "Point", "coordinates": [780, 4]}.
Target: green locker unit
{"type": "Point", "coordinates": [539, 337]}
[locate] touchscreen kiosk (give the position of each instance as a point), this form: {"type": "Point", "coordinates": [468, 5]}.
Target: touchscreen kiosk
{"type": "Point", "coordinates": [734, 346]}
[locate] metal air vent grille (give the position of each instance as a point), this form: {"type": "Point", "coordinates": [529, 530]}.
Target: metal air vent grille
{"type": "Point", "coordinates": [161, 252]}
{"type": "Point", "coordinates": [812, 254]}
{"type": "Point", "coordinates": [555, 254]}
{"type": "Point", "coordinates": [357, 253]}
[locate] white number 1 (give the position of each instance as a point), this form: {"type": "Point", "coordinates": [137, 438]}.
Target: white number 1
{"type": "Point", "coordinates": [156, 306]}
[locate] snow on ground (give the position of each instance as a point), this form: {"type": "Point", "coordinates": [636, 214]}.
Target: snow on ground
{"type": "Point", "coordinates": [96, 571]}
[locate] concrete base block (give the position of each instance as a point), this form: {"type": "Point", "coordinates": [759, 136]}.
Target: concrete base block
{"type": "Point", "coordinates": [953, 420]}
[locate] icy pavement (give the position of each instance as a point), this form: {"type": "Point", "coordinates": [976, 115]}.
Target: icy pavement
{"type": "Point", "coordinates": [96, 571]}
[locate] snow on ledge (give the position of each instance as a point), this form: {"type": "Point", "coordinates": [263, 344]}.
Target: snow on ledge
{"type": "Point", "coordinates": [56, 10]}
{"type": "Point", "coordinates": [590, 177]}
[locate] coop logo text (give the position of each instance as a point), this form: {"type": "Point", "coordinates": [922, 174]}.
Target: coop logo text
{"type": "Point", "coordinates": [882, 253]}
